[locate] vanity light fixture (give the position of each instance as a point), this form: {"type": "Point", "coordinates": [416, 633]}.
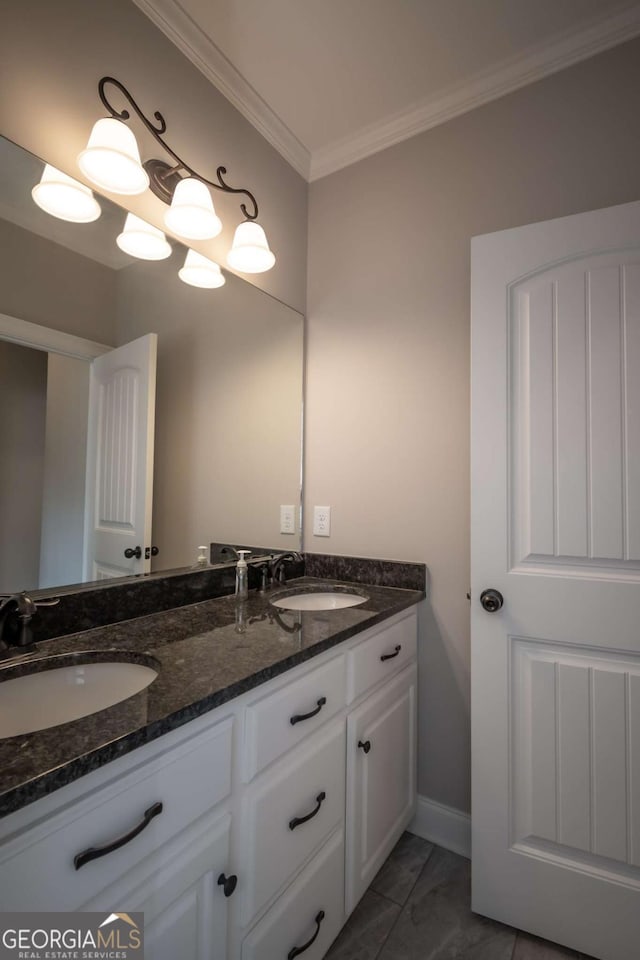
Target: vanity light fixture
{"type": "Point", "coordinates": [198, 271]}
{"type": "Point", "coordinates": [64, 197]}
{"type": "Point", "coordinates": [142, 240]}
{"type": "Point", "coordinates": [112, 161]}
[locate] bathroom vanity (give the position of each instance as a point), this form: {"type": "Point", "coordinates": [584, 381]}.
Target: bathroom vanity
{"type": "Point", "coordinates": [245, 799]}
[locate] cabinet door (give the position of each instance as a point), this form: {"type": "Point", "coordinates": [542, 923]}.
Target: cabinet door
{"type": "Point", "coordinates": [185, 909]}
{"type": "Point", "coordinates": [381, 786]}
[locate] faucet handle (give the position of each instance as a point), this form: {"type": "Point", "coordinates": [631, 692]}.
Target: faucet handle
{"type": "Point", "coordinates": [27, 606]}
{"type": "Point", "coordinates": [48, 602]}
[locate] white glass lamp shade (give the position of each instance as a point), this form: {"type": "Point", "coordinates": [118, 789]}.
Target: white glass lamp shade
{"type": "Point", "coordinates": [198, 271]}
{"type": "Point", "coordinates": [64, 197]}
{"type": "Point", "coordinates": [140, 239]}
{"type": "Point", "coordinates": [112, 159]}
{"type": "Point", "coordinates": [250, 252]}
{"type": "Point", "coordinates": [191, 214]}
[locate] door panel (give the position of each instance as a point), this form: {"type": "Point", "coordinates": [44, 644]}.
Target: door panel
{"type": "Point", "coordinates": [120, 459]}
{"type": "Point", "coordinates": [556, 529]}
{"type": "Point", "coordinates": [574, 335]}
{"type": "Point", "coordinates": [575, 723]}
{"type": "Point", "coordinates": [119, 403]}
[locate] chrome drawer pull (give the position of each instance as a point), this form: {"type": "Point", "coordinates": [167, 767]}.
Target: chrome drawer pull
{"type": "Point", "coordinates": [390, 656]}
{"type": "Point", "coordinates": [306, 716]}
{"type": "Point", "coordinates": [298, 820]}
{"type": "Point", "coordinates": [92, 853]}
{"type": "Point", "coordinates": [296, 951]}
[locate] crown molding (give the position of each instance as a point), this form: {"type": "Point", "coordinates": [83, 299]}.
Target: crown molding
{"type": "Point", "coordinates": [511, 74]}
{"type": "Point", "coordinates": [536, 63]}
{"type": "Point", "coordinates": [185, 34]}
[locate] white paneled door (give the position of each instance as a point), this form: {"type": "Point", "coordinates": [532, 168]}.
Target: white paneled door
{"type": "Point", "coordinates": [556, 532]}
{"type": "Point", "coordinates": [120, 460]}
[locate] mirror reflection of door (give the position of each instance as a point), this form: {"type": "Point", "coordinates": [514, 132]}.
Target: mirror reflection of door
{"type": "Point", "coordinates": [120, 460]}
{"type": "Point", "coordinates": [46, 469]}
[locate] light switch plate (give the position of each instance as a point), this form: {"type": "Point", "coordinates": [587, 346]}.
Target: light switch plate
{"type": "Point", "coordinates": [322, 521]}
{"type": "Point", "coordinates": [287, 518]}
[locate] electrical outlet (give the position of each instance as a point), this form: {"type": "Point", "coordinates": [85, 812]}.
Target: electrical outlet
{"type": "Point", "coordinates": [287, 518]}
{"type": "Point", "coordinates": [322, 521]}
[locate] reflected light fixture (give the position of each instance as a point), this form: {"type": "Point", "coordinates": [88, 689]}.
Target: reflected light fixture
{"type": "Point", "coordinates": [198, 271]}
{"type": "Point", "coordinates": [112, 161]}
{"type": "Point", "coordinates": [64, 197]}
{"type": "Point", "coordinates": [142, 240]}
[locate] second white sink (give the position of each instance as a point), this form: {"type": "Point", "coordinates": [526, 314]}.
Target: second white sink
{"type": "Point", "coordinates": [318, 601]}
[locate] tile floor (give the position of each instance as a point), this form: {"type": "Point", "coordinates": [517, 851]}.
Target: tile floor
{"type": "Point", "coordinates": [418, 908]}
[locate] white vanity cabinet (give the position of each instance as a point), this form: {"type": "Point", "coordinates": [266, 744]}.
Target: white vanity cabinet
{"type": "Point", "coordinates": [355, 804]}
{"type": "Point", "coordinates": [148, 836]}
{"type": "Point", "coordinates": [267, 803]}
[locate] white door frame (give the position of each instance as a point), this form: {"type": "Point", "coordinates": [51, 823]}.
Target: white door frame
{"type": "Point", "coordinates": [34, 335]}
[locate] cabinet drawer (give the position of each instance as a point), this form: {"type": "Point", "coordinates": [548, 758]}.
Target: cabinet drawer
{"type": "Point", "coordinates": [313, 904]}
{"type": "Point", "coordinates": [280, 720]}
{"type": "Point", "coordinates": [381, 655]}
{"type": "Point", "coordinates": [310, 784]}
{"type": "Point", "coordinates": [38, 868]}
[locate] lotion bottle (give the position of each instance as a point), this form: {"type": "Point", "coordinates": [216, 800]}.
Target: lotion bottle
{"type": "Point", "coordinates": [242, 575]}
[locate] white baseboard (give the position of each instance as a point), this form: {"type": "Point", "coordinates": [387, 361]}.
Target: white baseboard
{"type": "Point", "coordinates": [446, 826]}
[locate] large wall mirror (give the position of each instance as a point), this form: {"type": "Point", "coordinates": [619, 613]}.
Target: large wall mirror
{"type": "Point", "coordinates": [227, 442]}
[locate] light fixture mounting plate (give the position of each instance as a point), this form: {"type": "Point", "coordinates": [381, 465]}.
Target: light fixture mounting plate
{"type": "Point", "coordinates": [163, 179]}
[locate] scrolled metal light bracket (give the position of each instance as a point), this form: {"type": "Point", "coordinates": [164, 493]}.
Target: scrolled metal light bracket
{"type": "Point", "coordinates": [163, 177]}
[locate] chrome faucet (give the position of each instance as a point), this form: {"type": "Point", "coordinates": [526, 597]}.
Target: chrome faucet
{"type": "Point", "coordinates": [16, 613]}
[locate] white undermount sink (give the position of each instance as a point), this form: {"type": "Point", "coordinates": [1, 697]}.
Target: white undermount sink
{"type": "Point", "coordinates": [319, 601]}
{"type": "Point", "coordinates": [48, 696]}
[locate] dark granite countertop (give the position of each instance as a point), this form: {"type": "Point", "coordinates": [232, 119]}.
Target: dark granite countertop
{"type": "Point", "coordinates": [208, 653]}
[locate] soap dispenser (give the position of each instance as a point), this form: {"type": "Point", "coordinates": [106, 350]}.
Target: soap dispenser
{"type": "Point", "coordinates": [242, 575]}
{"type": "Point", "coordinates": [202, 559]}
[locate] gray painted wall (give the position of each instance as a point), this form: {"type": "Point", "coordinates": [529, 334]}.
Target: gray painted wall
{"type": "Point", "coordinates": [52, 56]}
{"type": "Point", "coordinates": [65, 469]}
{"type": "Point", "coordinates": [46, 283]}
{"type": "Point", "coordinates": [387, 403]}
{"type": "Point", "coordinates": [23, 375]}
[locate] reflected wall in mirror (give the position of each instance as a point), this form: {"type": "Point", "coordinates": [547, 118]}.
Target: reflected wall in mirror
{"type": "Point", "coordinates": [228, 411]}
